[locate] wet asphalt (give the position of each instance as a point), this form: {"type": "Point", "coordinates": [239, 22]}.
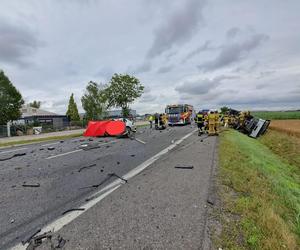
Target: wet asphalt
{"type": "Point", "coordinates": [53, 177]}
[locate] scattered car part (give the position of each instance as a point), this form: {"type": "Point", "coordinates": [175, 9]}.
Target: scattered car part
{"type": "Point", "coordinates": [51, 148]}
{"type": "Point", "coordinates": [15, 155]}
{"type": "Point", "coordinates": [73, 209]}
{"type": "Point", "coordinates": [31, 185]}
{"type": "Point", "coordinates": [30, 237]}
{"type": "Point", "coordinates": [90, 166]}
{"type": "Point", "coordinates": [184, 167]}
{"type": "Point", "coordinates": [60, 242]}
{"type": "Point", "coordinates": [140, 141]}
{"type": "Point", "coordinates": [114, 174]}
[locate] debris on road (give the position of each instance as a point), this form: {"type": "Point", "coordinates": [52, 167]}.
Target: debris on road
{"type": "Point", "coordinates": [89, 146]}
{"type": "Point", "coordinates": [37, 241]}
{"type": "Point", "coordinates": [41, 149]}
{"type": "Point", "coordinates": [89, 166]}
{"type": "Point", "coordinates": [184, 167]}
{"type": "Point", "coordinates": [140, 141]}
{"type": "Point", "coordinates": [15, 155]}
{"type": "Point", "coordinates": [114, 174]}
{"type": "Point", "coordinates": [31, 185]}
{"type": "Point", "coordinates": [62, 141]}
{"type": "Point", "coordinates": [60, 242]}
{"type": "Point", "coordinates": [12, 221]}
{"type": "Point", "coordinates": [27, 240]}
{"type": "Point", "coordinates": [51, 148]}
{"type": "Point", "coordinates": [210, 201]}
{"type": "Point", "coordinates": [132, 155]}
{"type": "Point", "coordinates": [73, 209]}
{"type": "Point", "coordinates": [98, 185]}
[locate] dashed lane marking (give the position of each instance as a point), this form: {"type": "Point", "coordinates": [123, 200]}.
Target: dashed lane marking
{"type": "Point", "coordinates": [75, 151]}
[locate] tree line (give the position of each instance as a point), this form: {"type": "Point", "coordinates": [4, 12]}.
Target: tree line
{"type": "Point", "coordinates": [120, 91]}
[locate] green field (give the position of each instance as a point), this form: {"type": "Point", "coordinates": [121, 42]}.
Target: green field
{"type": "Point", "coordinates": [259, 188]}
{"type": "Point", "coordinates": [276, 115]}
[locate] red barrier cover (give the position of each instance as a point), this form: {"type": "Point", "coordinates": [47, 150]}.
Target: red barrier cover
{"type": "Point", "coordinates": [101, 128]}
{"type": "Point", "coordinates": [115, 128]}
{"type": "Point", "coordinates": [96, 128]}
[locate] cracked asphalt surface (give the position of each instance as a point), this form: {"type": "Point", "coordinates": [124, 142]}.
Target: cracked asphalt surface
{"type": "Point", "coordinates": [62, 185]}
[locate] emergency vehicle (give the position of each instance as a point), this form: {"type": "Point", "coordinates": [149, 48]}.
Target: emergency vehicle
{"type": "Point", "coordinates": [179, 114]}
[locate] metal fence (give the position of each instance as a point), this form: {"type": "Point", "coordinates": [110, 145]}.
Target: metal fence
{"type": "Point", "coordinates": [3, 131]}
{"type": "Point", "coordinates": [24, 129]}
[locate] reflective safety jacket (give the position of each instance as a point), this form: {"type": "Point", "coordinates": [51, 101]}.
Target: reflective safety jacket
{"type": "Point", "coordinates": [199, 118]}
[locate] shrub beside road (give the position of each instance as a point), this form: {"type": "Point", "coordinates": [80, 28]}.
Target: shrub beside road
{"type": "Point", "coordinates": [259, 186]}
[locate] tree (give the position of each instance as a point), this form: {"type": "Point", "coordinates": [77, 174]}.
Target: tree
{"type": "Point", "coordinates": [10, 100]}
{"type": "Point", "coordinates": [122, 91]}
{"type": "Point", "coordinates": [35, 104]}
{"type": "Point", "coordinates": [224, 110]}
{"type": "Point", "coordinates": [72, 111]}
{"type": "Point", "coordinates": [94, 101]}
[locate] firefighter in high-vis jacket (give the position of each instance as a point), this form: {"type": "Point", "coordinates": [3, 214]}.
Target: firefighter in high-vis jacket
{"type": "Point", "coordinates": [226, 120]}
{"type": "Point", "coordinates": [217, 122]}
{"type": "Point", "coordinates": [213, 123]}
{"type": "Point", "coordinates": [199, 119]}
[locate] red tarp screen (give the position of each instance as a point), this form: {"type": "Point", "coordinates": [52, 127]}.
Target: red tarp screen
{"type": "Point", "coordinates": [114, 128]}
{"type": "Point", "coordinates": [100, 128]}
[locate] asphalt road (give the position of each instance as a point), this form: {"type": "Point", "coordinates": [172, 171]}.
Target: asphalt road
{"type": "Point", "coordinates": [65, 172]}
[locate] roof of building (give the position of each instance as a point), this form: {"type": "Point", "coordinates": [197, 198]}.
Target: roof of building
{"type": "Point", "coordinates": [28, 111]}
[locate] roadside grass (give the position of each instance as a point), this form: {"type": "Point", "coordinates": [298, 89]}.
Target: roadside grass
{"type": "Point", "coordinates": [287, 147]}
{"type": "Point", "coordinates": [260, 193]}
{"type": "Point", "coordinates": [51, 138]}
{"type": "Point", "coordinates": [276, 115]}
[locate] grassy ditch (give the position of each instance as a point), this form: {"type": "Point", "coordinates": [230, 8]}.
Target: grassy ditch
{"type": "Point", "coordinates": [260, 194]}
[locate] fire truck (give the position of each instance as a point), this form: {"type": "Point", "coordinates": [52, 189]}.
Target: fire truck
{"type": "Point", "coordinates": [179, 114]}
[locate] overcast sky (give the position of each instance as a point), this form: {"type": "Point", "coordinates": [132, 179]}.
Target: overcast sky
{"type": "Point", "coordinates": [244, 54]}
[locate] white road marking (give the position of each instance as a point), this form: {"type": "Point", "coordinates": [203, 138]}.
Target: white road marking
{"type": "Point", "coordinates": [75, 151]}
{"type": "Point", "coordinates": [71, 152]}
{"type": "Point", "coordinates": [140, 141]}
{"type": "Point", "coordinates": [9, 151]}
{"type": "Point", "coordinates": [100, 195]}
{"type": "Point", "coordinates": [49, 144]}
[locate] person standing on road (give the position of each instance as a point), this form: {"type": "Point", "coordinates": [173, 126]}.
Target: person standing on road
{"type": "Point", "coordinates": [151, 118]}
{"type": "Point", "coordinates": [200, 122]}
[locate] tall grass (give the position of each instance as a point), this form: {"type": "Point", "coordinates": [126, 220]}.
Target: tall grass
{"type": "Point", "coordinates": [263, 190]}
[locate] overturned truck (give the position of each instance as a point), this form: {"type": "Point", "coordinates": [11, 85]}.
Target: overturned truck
{"type": "Point", "coordinates": [247, 124]}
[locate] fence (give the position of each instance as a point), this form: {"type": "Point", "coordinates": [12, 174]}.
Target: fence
{"type": "Point", "coordinates": [3, 131]}
{"type": "Point", "coordinates": [24, 129]}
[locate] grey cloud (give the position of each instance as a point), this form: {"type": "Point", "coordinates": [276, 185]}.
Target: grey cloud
{"type": "Point", "coordinates": [144, 67]}
{"type": "Point", "coordinates": [148, 98]}
{"type": "Point", "coordinates": [16, 43]}
{"type": "Point", "coordinates": [105, 72]}
{"type": "Point", "coordinates": [233, 32]}
{"type": "Point", "coordinates": [205, 47]}
{"type": "Point", "coordinates": [178, 28]}
{"type": "Point", "coordinates": [265, 74]}
{"type": "Point", "coordinates": [202, 86]}
{"type": "Point", "coordinates": [165, 69]}
{"type": "Point", "coordinates": [234, 53]}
